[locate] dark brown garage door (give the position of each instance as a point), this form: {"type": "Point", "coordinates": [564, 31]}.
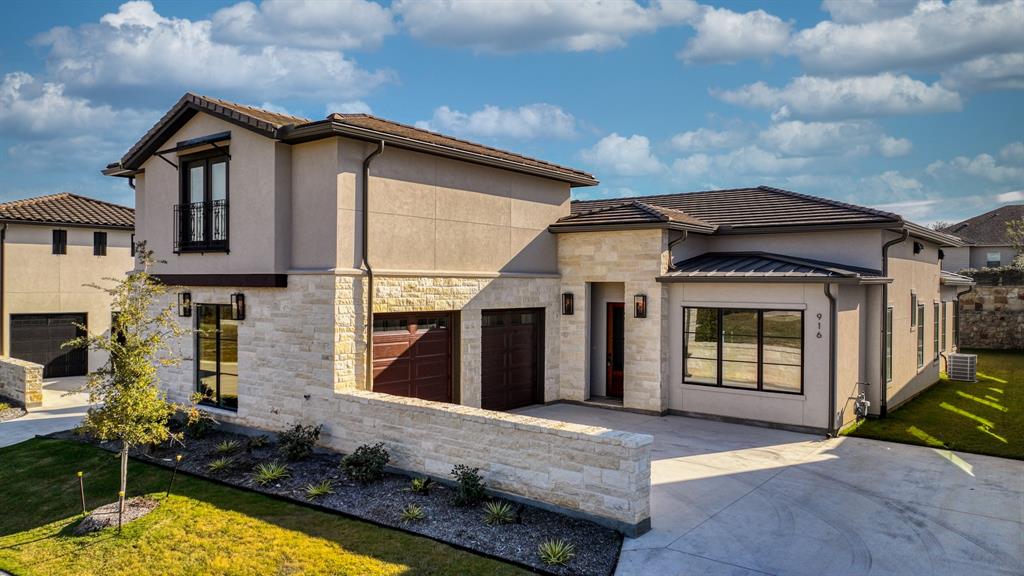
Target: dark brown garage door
{"type": "Point", "coordinates": [38, 338]}
{"type": "Point", "coordinates": [412, 355]}
{"type": "Point", "coordinates": [512, 344]}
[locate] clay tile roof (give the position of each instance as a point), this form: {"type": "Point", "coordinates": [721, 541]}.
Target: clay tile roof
{"type": "Point", "coordinates": [631, 212]}
{"type": "Point", "coordinates": [740, 208]}
{"type": "Point", "coordinates": [69, 209]}
{"type": "Point", "coordinates": [988, 229]}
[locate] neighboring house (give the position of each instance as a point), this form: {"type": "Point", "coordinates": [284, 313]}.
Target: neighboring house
{"type": "Point", "coordinates": [485, 286]}
{"type": "Point", "coordinates": [986, 244]}
{"type": "Point", "coordinates": [51, 247]}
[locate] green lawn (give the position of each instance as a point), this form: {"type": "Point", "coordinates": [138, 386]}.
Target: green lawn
{"type": "Point", "coordinates": [203, 528]}
{"type": "Point", "coordinates": [985, 417]}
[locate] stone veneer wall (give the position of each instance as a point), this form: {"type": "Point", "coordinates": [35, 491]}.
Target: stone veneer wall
{"type": "Point", "coordinates": [634, 258]}
{"type": "Point", "coordinates": [601, 474]}
{"type": "Point", "coordinates": [993, 317]}
{"type": "Point", "coordinates": [21, 381]}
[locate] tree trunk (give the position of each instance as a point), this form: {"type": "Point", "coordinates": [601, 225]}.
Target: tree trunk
{"type": "Point", "coordinates": [124, 475]}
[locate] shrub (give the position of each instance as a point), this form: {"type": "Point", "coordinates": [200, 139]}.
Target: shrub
{"type": "Point", "coordinates": [498, 512]}
{"type": "Point", "coordinates": [228, 447]}
{"type": "Point", "coordinates": [421, 485]}
{"type": "Point", "coordinates": [200, 426]}
{"type": "Point", "coordinates": [322, 488]}
{"type": "Point", "coordinates": [297, 442]}
{"type": "Point", "coordinates": [412, 513]}
{"type": "Point", "coordinates": [471, 487]}
{"type": "Point", "coordinates": [556, 552]}
{"type": "Point", "coordinates": [220, 465]}
{"type": "Point", "coordinates": [269, 472]}
{"type": "Point", "coordinates": [4, 406]}
{"type": "Point", "coordinates": [254, 442]}
{"type": "Point", "coordinates": [367, 463]}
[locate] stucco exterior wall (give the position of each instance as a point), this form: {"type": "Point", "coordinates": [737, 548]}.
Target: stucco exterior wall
{"type": "Point", "coordinates": [36, 281]}
{"type": "Point", "coordinates": [808, 409]}
{"type": "Point", "coordinates": [979, 255]}
{"type": "Point", "coordinates": [635, 259]}
{"type": "Point", "coordinates": [851, 247]}
{"type": "Point", "coordinates": [851, 349]}
{"type": "Point", "coordinates": [21, 381]}
{"type": "Point", "coordinates": [956, 259]}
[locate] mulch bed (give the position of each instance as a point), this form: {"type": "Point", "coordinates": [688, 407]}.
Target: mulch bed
{"type": "Point", "coordinates": [106, 516]}
{"type": "Point", "coordinates": [381, 502]}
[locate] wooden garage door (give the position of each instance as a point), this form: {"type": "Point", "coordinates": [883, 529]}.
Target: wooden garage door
{"type": "Point", "coordinates": [512, 343]}
{"type": "Point", "coordinates": [38, 338]}
{"type": "Point", "coordinates": [412, 355]}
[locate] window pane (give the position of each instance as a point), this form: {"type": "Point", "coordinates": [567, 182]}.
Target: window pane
{"type": "Point", "coordinates": [701, 360]}
{"type": "Point", "coordinates": [782, 351]}
{"type": "Point", "coordinates": [195, 183]}
{"type": "Point", "coordinates": [784, 323]}
{"type": "Point", "coordinates": [390, 324]}
{"type": "Point", "coordinates": [739, 322]}
{"type": "Point", "coordinates": [781, 378]}
{"type": "Point", "coordinates": [742, 348]}
{"type": "Point", "coordinates": [219, 181]}
{"type": "Point", "coordinates": [739, 374]}
{"type": "Point", "coordinates": [739, 339]}
{"type": "Point", "coordinates": [435, 323]}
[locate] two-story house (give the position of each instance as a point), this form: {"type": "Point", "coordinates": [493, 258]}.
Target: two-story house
{"type": "Point", "coordinates": [51, 249]}
{"type": "Point", "coordinates": [352, 252]}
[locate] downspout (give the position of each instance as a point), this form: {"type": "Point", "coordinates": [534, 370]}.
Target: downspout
{"type": "Point", "coordinates": [883, 391]}
{"type": "Point", "coordinates": [831, 429]}
{"type": "Point", "coordinates": [671, 262]}
{"type": "Point", "coordinates": [956, 319]}
{"type": "Point", "coordinates": [366, 264]}
{"type": "Point", "coordinates": [3, 294]}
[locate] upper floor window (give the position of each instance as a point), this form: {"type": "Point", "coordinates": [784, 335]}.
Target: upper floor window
{"type": "Point", "coordinates": [993, 259]}
{"type": "Point", "coordinates": [201, 219]}
{"type": "Point", "coordinates": [99, 243]}
{"type": "Point", "coordinates": [60, 241]}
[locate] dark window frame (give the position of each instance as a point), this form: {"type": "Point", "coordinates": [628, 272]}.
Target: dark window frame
{"type": "Point", "coordinates": [207, 158]}
{"type": "Point", "coordinates": [99, 243]}
{"type": "Point", "coordinates": [215, 402]}
{"type": "Point", "coordinates": [59, 245]}
{"type": "Point", "coordinates": [760, 349]}
{"type": "Point", "coordinates": [935, 328]}
{"type": "Point", "coordinates": [945, 324]}
{"type": "Point", "coordinates": [920, 335]}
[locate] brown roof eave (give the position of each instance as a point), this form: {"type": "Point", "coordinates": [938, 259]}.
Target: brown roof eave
{"type": "Point", "coordinates": [570, 227]}
{"type": "Point", "coordinates": [328, 128]}
{"type": "Point", "coordinates": [65, 224]}
{"type": "Point", "coordinates": [673, 279]}
{"type": "Point", "coordinates": [817, 227]}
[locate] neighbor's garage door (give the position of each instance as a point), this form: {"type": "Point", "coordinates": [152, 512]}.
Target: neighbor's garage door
{"type": "Point", "coordinates": [512, 358]}
{"type": "Point", "coordinates": [412, 355]}
{"type": "Point", "coordinates": [38, 338]}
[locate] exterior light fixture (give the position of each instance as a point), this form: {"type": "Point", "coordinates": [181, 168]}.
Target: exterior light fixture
{"type": "Point", "coordinates": [238, 306]}
{"type": "Point", "coordinates": [567, 304]}
{"type": "Point", "coordinates": [184, 304]}
{"type": "Point", "coordinates": [640, 306]}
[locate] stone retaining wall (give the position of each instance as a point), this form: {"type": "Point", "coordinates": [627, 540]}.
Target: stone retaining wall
{"type": "Point", "coordinates": [992, 317]}
{"type": "Point", "coordinates": [21, 381]}
{"type": "Point", "coordinates": [600, 474]}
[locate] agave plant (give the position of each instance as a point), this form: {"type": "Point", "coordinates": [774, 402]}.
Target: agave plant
{"type": "Point", "coordinates": [413, 513]}
{"type": "Point", "coordinates": [269, 472]}
{"type": "Point", "coordinates": [228, 447]}
{"type": "Point", "coordinates": [556, 552]}
{"type": "Point", "coordinates": [220, 464]}
{"type": "Point", "coordinates": [421, 485]}
{"type": "Point", "coordinates": [322, 488]}
{"type": "Point", "coordinates": [498, 512]}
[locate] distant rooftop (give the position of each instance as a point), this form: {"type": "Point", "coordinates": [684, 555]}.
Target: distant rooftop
{"type": "Point", "coordinates": [68, 209]}
{"type": "Point", "coordinates": [988, 229]}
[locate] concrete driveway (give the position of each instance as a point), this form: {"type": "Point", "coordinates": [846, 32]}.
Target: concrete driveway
{"type": "Point", "coordinates": [739, 500]}
{"type": "Point", "coordinates": [62, 409]}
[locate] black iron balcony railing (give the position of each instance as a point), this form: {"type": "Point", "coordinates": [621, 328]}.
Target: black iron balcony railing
{"type": "Point", "coordinates": [201, 226]}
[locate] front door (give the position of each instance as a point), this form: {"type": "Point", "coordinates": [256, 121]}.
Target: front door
{"type": "Point", "coordinates": [615, 348]}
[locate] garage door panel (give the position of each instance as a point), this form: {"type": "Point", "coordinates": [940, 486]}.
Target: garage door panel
{"type": "Point", "coordinates": [39, 337]}
{"type": "Point", "coordinates": [511, 349]}
{"type": "Point", "coordinates": [389, 350]}
{"type": "Point", "coordinates": [413, 356]}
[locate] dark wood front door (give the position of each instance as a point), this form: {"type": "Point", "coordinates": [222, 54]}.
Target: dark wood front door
{"type": "Point", "coordinates": [512, 359]}
{"type": "Point", "coordinates": [38, 338]}
{"type": "Point", "coordinates": [615, 348]}
{"type": "Point", "coordinates": [412, 355]}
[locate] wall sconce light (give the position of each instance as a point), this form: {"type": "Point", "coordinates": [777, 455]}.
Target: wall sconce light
{"type": "Point", "coordinates": [567, 304]}
{"type": "Point", "coordinates": [184, 304]}
{"type": "Point", "coordinates": [640, 306]}
{"type": "Point", "coordinates": [942, 254]}
{"type": "Point", "coordinates": [918, 247]}
{"type": "Point", "coordinates": [238, 306]}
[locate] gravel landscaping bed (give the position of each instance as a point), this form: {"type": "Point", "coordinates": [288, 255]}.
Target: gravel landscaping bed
{"type": "Point", "coordinates": [106, 516]}
{"type": "Point", "coordinates": [382, 501]}
{"type": "Point", "coordinates": [11, 412]}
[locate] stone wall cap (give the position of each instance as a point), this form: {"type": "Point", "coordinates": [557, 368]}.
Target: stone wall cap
{"type": "Point", "coordinates": [19, 362]}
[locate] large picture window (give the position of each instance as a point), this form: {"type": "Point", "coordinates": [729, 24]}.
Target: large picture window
{"type": "Point", "coordinates": [744, 348]}
{"type": "Point", "coordinates": [217, 356]}
{"type": "Point", "coordinates": [201, 219]}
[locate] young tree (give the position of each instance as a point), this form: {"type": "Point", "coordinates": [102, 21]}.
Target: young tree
{"type": "Point", "coordinates": [129, 407]}
{"type": "Point", "coordinates": [1015, 234]}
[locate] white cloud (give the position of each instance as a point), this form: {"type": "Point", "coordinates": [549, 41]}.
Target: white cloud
{"type": "Point", "coordinates": [727, 36]}
{"type": "Point", "coordinates": [797, 138]}
{"type": "Point", "coordinates": [892, 147]}
{"type": "Point", "coordinates": [1013, 152]}
{"type": "Point", "coordinates": [859, 11]}
{"type": "Point", "coordinates": [982, 166]}
{"type": "Point", "coordinates": [138, 49]}
{"type": "Point", "coordinates": [534, 25]}
{"type": "Point", "coordinates": [703, 139]}
{"type": "Point", "coordinates": [748, 160]}
{"type": "Point", "coordinates": [992, 72]}
{"type": "Point", "coordinates": [625, 156]}
{"type": "Point", "coordinates": [305, 23]}
{"type": "Point", "coordinates": [854, 97]}
{"type": "Point", "coordinates": [349, 107]}
{"type": "Point", "coordinates": [935, 34]}
{"type": "Point", "coordinates": [523, 123]}
{"type": "Point", "coordinates": [1012, 196]}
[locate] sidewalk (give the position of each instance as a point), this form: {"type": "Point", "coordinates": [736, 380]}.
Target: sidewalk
{"type": "Point", "coordinates": [60, 411]}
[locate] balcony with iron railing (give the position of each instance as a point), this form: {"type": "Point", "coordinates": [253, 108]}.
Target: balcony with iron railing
{"type": "Point", "coordinates": [201, 227]}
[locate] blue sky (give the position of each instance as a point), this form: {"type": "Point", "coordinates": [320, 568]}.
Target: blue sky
{"type": "Point", "coordinates": [915, 108]}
